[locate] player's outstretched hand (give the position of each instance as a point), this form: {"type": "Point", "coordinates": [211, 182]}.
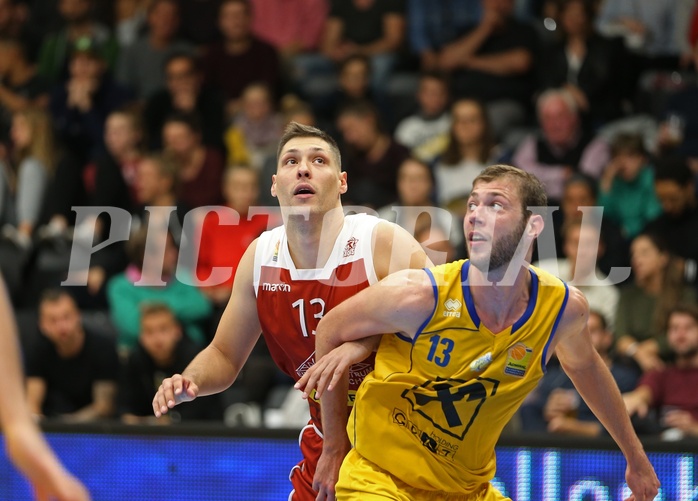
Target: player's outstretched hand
{"type": "Point", "coordinates": [326, 372]}
{"type": "Point", "coordinates": [173, 390]}
{"type": "Point", "coordinates": [642, 480]}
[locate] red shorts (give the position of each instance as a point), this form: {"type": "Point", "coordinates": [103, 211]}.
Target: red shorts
{"type": "Point", "coordinates": [301, 476]}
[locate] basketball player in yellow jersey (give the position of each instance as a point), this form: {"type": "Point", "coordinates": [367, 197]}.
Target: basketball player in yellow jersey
{"type": "Point", "coordinates": [471, 341]}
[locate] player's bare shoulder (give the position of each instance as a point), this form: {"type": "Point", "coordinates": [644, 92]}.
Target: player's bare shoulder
{"type": "Point", "coordinates": [395, 249]}
{"type": "Point", "coordinates": [575, 316]}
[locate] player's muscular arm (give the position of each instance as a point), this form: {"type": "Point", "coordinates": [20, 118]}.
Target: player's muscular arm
{"type": "Point", "coordinates": [216, 367]}
{"type": "Point", "coordinates": [595, 384]}
{"type": "Point", "coordinates": [395, 249]}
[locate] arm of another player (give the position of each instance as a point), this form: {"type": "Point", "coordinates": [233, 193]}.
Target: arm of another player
{"type": "Point", "coordinates": [394, 249]}
{"type": "Point", "coordinates": [597, 387]}
{"type": "Point", "coordinates": [25, 445]}
{"type": "Point", "coordinates": [218, 365]}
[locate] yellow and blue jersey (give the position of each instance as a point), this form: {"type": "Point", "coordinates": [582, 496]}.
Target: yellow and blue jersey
{"type": "Point", "coordinates": [439, 401]}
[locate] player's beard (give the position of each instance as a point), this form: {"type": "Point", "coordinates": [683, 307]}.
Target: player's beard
{"type": "Point", "coordinates": [503, 250]}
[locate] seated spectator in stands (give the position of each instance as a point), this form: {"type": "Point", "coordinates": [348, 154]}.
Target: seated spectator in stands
{"type": "Point", "coordinates": [582, 246]}
{"type": "Point", "coordinates": [563, 145]}
{"type": "Point", "coordinates": [670, 391]}
{"type": "Point", "coordinates": [656, 31]}
{"type": "Point", "coordinates": [222, 245]}
{"type": "Point", "coordinates": [79, 29]}
{"type": "Point", "coordinates": [240, 58]}
{"type": "Point", "coordinates": [184, 92]}
{"type": "Point", "coordinates": [291, 26]}
{"type": "Point", "coordinates": [494, 62]}
{"type": "Point", "coordinates": [626, 190]}
{"type": "Point", "coordinates": [426, 132]}
{"type": "Point", "coordinates": [588, 65]}
{"type": "Point", "coordinates": [434, 24]}
{"type": "Point", "coordinates": [674, 184]}
{"type": "Point", "coordinates": [141, 64]}
{"type": "Point", "coordinates": [256, 129]}
{"type": "Point", "coordinates": [200, 167]}
{"type": "Point", "coordinates": [162, 350]}
{"type": "Point", "coordinates": [580, 197]}
{"type": "Point", "coordinates": [353, 84]}
{"type": "Point", "coordinates": [14, 24]}
{"type": "Point", "coordinates": [80, 106]}
{"type": "Point", "coordinates": [71, 372]}
{"type": "Point", "coordinates": [371, 157]}
{"type": "Point", "coordinates": [414, 210]}
{"type": "Point", "coordinates": [556, 407]}
{"type": "Point", "coordinates": [644, 304]}
{"type": "Point", "coordinates": [21, 87]}
{"type": "Point", "coordinates": [470, 149]}
{"type": "Point", "coordinates": [116, 171]}
{"type": "Point", "coordinates": [150, 276]}
{"type": "Point", "coordinates": [24, 178]}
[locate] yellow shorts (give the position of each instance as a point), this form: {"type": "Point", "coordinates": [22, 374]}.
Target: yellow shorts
{"type": "Point", "coordinates": [362, 480]}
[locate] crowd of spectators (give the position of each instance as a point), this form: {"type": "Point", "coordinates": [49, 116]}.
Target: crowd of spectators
{"type": "Point", "coordinates": [158, 108]}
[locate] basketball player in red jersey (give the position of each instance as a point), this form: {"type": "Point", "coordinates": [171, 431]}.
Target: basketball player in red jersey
{"type": "Point", "coordinates": [286, 281]}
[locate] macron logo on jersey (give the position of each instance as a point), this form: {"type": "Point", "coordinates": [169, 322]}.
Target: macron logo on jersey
{"type": "Point", "coordinates": [282, 287]}
{"type": "Point", "coordinates": [453, 306]}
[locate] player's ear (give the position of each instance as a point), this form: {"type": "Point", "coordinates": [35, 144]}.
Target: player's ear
{"type": "Point", "coordinates": [343, 183]}
{"type": "Point", "coordinates": [535, 225]}
{"type": "Point", "coordinates": [273, 185]}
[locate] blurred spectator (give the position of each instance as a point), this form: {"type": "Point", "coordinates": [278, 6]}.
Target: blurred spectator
{"type": "Point", "coordinates": [414, 211]}
{"type": "Point", "coordinates": [626, 190]}
{"type": "Point", "coordinates": [184, 92]}
{"type": "Point", "coordinates": [580, 195]}
{"type": "Point", "coordinates": [141, 64]}
{"type": "Point", "coordinates": [129, 20]}
{"type": "Point", "coordinates": [81, 104]}
{"type": "Point", "coordinates": [644, 304]}
{"type": "Point", "coordinates": [678, 130]}
{"type": "Point", "coordinates": [116, 171]}
{"type": "Point", "coordinates": [200, 167]}
{"type": "Point", "coordinates": [371, 157]}
{"type": "Point", "coordinates": [588, 65]}
{"type": "Point", "coordinates": [354, 84]}
{"type": "Point", "coordinates": [14, 24]}
{"type": "Point", "coordinates": [371, 28]}
{"type": "Point", "coordinates": [582, 246]}
{"type": "Point", "coordinates": [20, 85]}
{"type": "Point", "coordinates": [24, 178]}
{"type": "Point", "coordinates": [256, 128]}
{"type": "Point", "coordinates": [656, 31]}
{"type": "Point", "coordinates": [426, 132]}
{"type": "Point", "coordinates": [201, 16]}
{"type": "Point", "coordinates": [562, 147]}
{"type": "Point", "coordinates": [222, 245]}
{"type": "Point", "coordinates": [240, 58]}
{"type": "Point", "coordinates": [150, 264]}
{"type": "Point", "coordinates": [291, 26]}
{"type": "Point", "coordinates": [494, 62]}
{"type": "Point", "coordinates": [470, 149]}
{"type": "Point", "coordinates": [670, 391]}
{"type": "Point", "coordinates": [80, 30]}
{"type": "Point", "coordinates": [434, 24]}
{"type": "Point", "coordinates": [674, 184]}
{"type": "Point", "coordinates": [71, 371]}
{"type": "Point", "coordinates": [556, 407]}
{"type": "Point", "coordinates": [161, 350]}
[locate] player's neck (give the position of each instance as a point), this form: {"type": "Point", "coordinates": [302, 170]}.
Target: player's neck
{"type": "Point", "coordinates": [499, 304]}
{"type": "Point", "coordinates": [310, 242]}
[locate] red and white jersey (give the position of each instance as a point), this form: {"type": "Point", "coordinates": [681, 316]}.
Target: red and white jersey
{"type": "Point", "coordinates": [291, 302]}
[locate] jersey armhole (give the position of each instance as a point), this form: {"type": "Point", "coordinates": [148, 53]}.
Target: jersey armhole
{"type": "Point", "coordinates": [435, 290]}
{"type": "Point", "coordinates": [544, 365]}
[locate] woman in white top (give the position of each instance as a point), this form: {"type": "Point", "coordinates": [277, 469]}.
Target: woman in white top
{"type": "Point", "coordinates": [469, 151]}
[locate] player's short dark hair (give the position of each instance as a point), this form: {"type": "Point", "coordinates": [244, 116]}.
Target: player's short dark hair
{"type": "Point", "coordinates": [294, 130]}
